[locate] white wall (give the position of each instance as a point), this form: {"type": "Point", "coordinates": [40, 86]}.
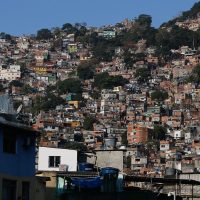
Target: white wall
{"type": "Point", "coordinates": [164, 147]}
{"type": "Point", "coordinates": [110, 159]}
{"type": "Point", "coordinates": [68, 157]}
{"type": "Point", "coordinates": [178, 134]}
{"type": "Point", "coordinates": [10, 73]}
{"type": "Point", "coordinates": [15, 68]}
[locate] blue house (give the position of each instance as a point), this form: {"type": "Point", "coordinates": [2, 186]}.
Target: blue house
{"type": "Point", "coordinates": [17, 161]}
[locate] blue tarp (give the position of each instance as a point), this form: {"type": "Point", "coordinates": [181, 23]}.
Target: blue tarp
{"type": "Point", "coordinates": [87, 182]}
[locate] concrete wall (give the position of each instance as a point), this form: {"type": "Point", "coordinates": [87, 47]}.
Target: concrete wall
{"type": "Point", "coordinates": [67, 157]}
{"type": "Point", "coordinates": [110, 159]}
{"type": "Point", "coordinates": [187, 189]}
{"type": "Point", "coordinates": [37, 188]}
{"type": "Point", "coordinates": [164, 147]}
{"type": "Point", "coordinates": [50, 185]}
{"type": "Point", "coordinates": [127, 195]}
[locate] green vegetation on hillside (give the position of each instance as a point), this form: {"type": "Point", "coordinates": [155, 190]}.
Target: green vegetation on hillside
{"type": "Point", "coordinates": [104, 81]}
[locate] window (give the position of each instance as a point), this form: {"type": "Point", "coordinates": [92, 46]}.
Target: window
{"type": "Point", "coordinates": [54, 161]}
{"type": "Point", "coordinates": [9, 143]}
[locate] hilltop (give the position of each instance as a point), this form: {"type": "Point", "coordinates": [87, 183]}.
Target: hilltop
{"type": "Point", "coordinates": [191, 14]}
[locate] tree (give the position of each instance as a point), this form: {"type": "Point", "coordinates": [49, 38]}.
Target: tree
{"type": "Point", "coordinates": [90, 39]}
{"type": "Point", "coordinates": [124, 139]}
{"type": "Point", "coordinates": [95, 94]}
{"type": "Point", "coordinates": [144, 20]}
{"type": "Point", "coordinates": [141, 30]}
{"type": "Point", "coordinates": [23, 67]}
{"type": "Point", "coordinates": [162, 42]}
{"type": "Point", "coordinates": [192, 13]}
{"type": "Point", "coordinates": [56, 31]}
{"type": "Point", "coordinates": [81, 31]}
{"type": "Point", "coordinates": [160, 132]}
{"type": "Point", "coordinates": [85, 70]}
{"type": "Point", "coordinates": [174, 39]}
{"type": "Point", "coordinates": [27, 89]}
{"type": "Point", "coordinates": [50, 101]}
{"type": "Point", "coordinates": [44, 34]}
{"type": "Point", "coordinates": [5, 36]}
{"type": "Point", "coordinates": [67, 26]}
{"type": "Point", "coordinates": [195, 76]}
{"type": "Point", "coordinates": [102, 52]}
{"type": "Point", "coordinates": [159, 95]}
{"type": "Point", "coordinates": [76, 146]}
{"type": "Point", "coordinates": [128, 59]}
{"type": "Point", "coordinates": [100, 79]}
{"type": "Point", "coordinates": [16, 83]}
{"type": "Point", "coordinates": [37, 104]}
{"type": "Point", "coordinates": [88, 123]}
{"type": "Point", "coordinates": [69, 86]}
{"type": "Point", "coordinates": [103, 49]}
{"type": "Point", "coordinates": [151, 36]}
{"type": "Point", "coordinates": [113, 81]}
{"type": "Point", "coordinates": [143, 74]}
{"type": "Point", "coordinates": [129, 37]}
{"type": "Point", "coordinates": [104, 81]}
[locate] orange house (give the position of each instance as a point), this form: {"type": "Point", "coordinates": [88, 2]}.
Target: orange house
{"type": "Point", "coordinates": [137, 133]}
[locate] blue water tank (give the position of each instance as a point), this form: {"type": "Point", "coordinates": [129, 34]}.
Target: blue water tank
{"type": "Point", "coordinates": [110, 175]}
{"type": "Point", "coordinates": [109, 170]}
{"type": "Point", "coordinates": [85, 167]}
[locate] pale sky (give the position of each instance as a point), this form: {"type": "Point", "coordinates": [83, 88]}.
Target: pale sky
{"type": "Point", "coordinates": [27, 16]}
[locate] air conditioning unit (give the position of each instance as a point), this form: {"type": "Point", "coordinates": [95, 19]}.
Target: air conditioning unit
{"type": "Point", "coordinates": [63, 168]}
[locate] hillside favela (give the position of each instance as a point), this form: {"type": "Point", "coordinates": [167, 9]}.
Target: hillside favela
{"type": "Point", "coordinates": [110, 112]}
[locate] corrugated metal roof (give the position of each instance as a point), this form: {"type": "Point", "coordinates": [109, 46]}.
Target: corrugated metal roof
{"type": "Point", "coordinates": [160, 180]}
{"type": "Point", "coordinates": [77, 174]}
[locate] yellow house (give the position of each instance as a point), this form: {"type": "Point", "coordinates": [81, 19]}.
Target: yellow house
{"type": "Point", "coordinates": [198, 92]}
{"type": "Point", "coordinates": [84, 56]}
{"type": "Point", "coordinates": [73, 103]}
{"type": "Point", "coordinates": [72, 124]}
{"type": "Point", "coordinates": [72, 48]}
{"type": "Point", "coordinates": [117, 89]}
{"type": "Point", "coordinates": [40, 70]}
{"type": "Point", "coordinates": [75, 124]}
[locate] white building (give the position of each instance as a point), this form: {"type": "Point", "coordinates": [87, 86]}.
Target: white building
{"type": "Point", "coordinates": [164, 145]}
{"type": "Point", "coordinates": [23, 43]}
{"type": "Point", "coordinates": [10, 73]}
{"type": "Point", "coordinates": [138, 162]}
{"type": "Point", "coordinates": [53, 159]}
{"type": "Point", "coordinates": [51, 128]}
{"type": "Point", "coordinates": [177, 134]}
{"type": "Point", "coordinates": [104, 106]}
{"type": "Point", "coordinates": [188, 138]}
